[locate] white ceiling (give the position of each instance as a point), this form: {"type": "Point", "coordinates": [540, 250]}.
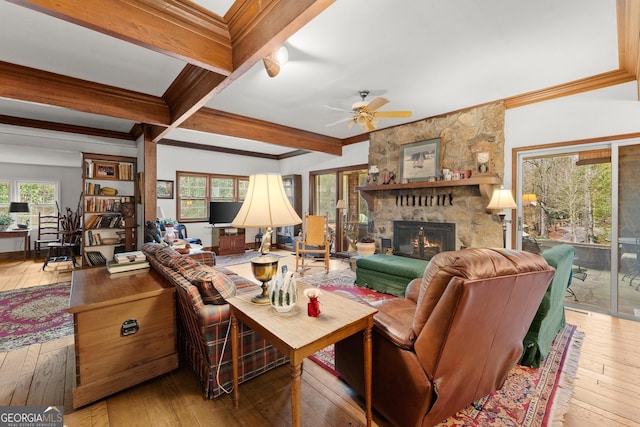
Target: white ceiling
{"type": "Point", "coordinates": [430, 57]}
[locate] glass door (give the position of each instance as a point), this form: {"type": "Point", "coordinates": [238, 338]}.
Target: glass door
{"type": "Point", "coordinates": [587, 197]}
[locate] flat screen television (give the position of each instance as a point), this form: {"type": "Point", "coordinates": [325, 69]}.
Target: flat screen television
{"type": "Point", "coordinates": [222, 214]}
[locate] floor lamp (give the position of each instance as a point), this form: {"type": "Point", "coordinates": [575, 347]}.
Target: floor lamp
{"type": "Point", "coordinates": [500, 200]}
{"type": "Point", "coordinates": [265, 205]}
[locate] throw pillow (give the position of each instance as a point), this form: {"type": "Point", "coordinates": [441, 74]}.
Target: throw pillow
{"type": "Point", "coordinates": [215, 287]}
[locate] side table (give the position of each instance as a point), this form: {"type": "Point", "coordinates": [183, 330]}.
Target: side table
{"type": "Point", "coordinates": [298, 336]}
{"type": "Point", "coordinates": [124, 330]}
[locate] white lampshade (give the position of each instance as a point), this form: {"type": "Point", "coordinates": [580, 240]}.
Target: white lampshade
{"type": "Point", "coordinates": [266, 204]}
{"type": "Point", "coordinates": [160, 213]}
{"type": "Point", "coordinates": [341, 204]}
{"type": "Point", "coordinates": [501, 199]}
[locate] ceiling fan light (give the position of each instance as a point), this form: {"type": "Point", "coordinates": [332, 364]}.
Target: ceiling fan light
{"type": "Point", "coordinates": [359, 105]}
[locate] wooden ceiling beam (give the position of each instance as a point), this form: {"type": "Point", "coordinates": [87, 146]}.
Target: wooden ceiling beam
{"type": "Point", "coordinates": [62, 127]}
{"type": "Point", "coordinates": [29, 84]}
{"type": "Point", "coordinates": [223, 123]}
{"type": "Point", "coordinates": [258, 25]}
{"type": "Point", "coordinates": [170, 27]}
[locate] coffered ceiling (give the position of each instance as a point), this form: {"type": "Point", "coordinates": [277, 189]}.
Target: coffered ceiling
{"type": "Point", "coordinates": [191, 73]}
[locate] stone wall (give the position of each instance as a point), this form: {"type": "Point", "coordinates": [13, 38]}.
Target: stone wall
{"type": "Point", "coordinates": [458, 133]}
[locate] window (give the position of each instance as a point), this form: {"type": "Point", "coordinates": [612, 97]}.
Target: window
{"type": "Point", "coordinates": [196, 190]}
{"type": "Point", "coordinates": [41, 196]}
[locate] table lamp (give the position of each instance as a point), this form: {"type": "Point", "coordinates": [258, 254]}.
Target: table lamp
{"type": "Point", "coordinates": [500, 200]}
{"type": "Point", "coordinates": [265, 205]}
{"type": "Point", "coordinates": [20, 207]}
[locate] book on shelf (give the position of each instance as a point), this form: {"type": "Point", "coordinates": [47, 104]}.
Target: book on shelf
{"type": "Point", "coordinates": [94, 258]}
{"type": "Point", "coordinates": [115, 267]}
{"type": "Point", "coordinates": [114, 220]}
{"type": "Point", "coordinates": [129, 257]}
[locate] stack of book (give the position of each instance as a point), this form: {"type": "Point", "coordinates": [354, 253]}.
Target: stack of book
{"type": "Point", "coordinates": [127, 261]}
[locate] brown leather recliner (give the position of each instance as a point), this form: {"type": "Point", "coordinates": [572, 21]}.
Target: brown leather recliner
{"type": "Point", "coordinates": [453, 338]}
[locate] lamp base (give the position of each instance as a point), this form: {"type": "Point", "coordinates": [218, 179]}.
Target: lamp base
{"type": "Point", "coordinates": [264, 268]}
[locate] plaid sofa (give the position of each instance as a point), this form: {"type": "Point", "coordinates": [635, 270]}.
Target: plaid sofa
{"type": "Point", "coordinates": [203, 329]}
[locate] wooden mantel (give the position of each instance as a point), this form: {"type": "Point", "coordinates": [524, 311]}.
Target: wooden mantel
{"type": "Point", "coordinates": [485, 183]}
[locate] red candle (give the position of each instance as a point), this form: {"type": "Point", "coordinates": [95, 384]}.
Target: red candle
{"type": "Point", "coordinates": [313, 307]}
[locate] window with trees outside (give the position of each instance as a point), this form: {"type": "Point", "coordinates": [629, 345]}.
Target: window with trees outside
{"type": "Point", "coordinates": [41, 196]}
{"type": "Point", "coordinates": [196, 190]}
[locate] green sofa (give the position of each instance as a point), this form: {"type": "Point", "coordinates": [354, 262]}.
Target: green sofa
{"type": "Point", "coordinates": [388, 273]}
{"type": "Point", "coordinates": [549, 318]}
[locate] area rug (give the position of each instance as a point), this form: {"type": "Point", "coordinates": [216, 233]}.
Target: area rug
{"type": "Point", "coordinates": [344, 280]}
{"type": "Point", "coordinates": [531, 397]}
{"type": "Point", "coordinates": [34, 315]}
{"type": "Point", "coordinates": [227, 260]}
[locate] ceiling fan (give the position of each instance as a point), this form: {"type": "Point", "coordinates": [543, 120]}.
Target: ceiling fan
{"type": "Point", "coordinates": [365, 113]}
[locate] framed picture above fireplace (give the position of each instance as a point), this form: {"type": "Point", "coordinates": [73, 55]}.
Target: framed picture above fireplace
{"type": "Point", "coordinates": [420, 160]}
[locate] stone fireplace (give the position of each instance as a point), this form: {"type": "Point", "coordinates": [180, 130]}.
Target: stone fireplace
{"type": "Point", "coordinates": [423, 240]}
{"type": "Point", "coordinates": [465, 207]}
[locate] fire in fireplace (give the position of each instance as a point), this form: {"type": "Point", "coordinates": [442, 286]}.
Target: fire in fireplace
{"type": "Point", "coordinates": [418, 239]}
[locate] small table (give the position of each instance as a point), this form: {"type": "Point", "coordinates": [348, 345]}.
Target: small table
{"type": "Point", "coordinates": [299, 336]}
{"type": "Point", "coordinates": [19, 232]}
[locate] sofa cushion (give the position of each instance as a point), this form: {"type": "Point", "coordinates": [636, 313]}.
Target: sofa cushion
{"type": "Point", "coordinates": [214, 286]}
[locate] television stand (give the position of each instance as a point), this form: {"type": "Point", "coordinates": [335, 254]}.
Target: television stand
{"type": "Point", "coordinates": [231, 242]}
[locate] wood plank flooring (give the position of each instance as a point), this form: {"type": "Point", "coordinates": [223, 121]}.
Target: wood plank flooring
{"type": "Point", "coordinates": [606, 390]}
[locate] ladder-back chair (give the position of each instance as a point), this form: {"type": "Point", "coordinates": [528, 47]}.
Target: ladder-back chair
{"type": "Point", "coordinates": [315, 241]}
{"type": "Point", "coordinates": [48, 232]}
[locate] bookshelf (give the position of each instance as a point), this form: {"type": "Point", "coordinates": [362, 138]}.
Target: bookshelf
{"type": "Point", "coordinates": [108, 207]}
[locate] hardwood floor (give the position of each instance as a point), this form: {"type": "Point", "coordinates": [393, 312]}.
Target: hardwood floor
{"type": "Point", "coordinates": [606, 389]}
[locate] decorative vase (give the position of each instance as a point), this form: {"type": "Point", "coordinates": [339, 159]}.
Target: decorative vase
{"type": "Point", "coordinates": [366, 249]}
{"type": "Point", "coordinates": [283, 293]}
{"type": "Point", "coordinates": [3, 227]}
{"type": "Point", "coordinates": [313, 307]}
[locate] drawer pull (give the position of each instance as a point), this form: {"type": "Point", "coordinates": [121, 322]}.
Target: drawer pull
{"type": "Point", "coordinates": [129, 327]}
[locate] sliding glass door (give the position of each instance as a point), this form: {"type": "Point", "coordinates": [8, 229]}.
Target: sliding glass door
{"type": "Point", "coordinates": [570, 195]}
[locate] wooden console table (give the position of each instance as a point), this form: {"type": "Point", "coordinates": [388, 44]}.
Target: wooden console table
{"type": "Point", "coordinates": [19, 232]}
{"type": "Point", "coordinates": [124, 330]}
{"type": "Point", "coordinates": [298, 335]}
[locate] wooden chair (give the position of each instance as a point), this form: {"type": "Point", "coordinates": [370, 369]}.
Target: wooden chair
{"type": "Point", "coordinates": [64, 250]}
{"type": "Point", "coordinates": [315, 241]}
{"type": "Point", "coordinates": [48, 232]}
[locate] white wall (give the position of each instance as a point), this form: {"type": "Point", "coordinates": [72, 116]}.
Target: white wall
{"type": "Point", "coordinates": [172, 159]}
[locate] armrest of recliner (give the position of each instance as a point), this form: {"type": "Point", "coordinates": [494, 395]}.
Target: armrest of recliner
{"type": "Point", "coordinates": [399, 333]}
{"type": "Point", "coordinates": [390, 328]}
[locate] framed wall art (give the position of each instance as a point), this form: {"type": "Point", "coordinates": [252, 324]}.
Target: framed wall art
{"type": "Point", "coordinates": [105, 170]}
{"type": "Point", "coordinates": [164, 189]}
{"type": "Point", "coordinates": [420, 160]}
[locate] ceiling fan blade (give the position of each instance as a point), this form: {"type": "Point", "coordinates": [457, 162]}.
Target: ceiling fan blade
{"type": "Point", "coordinates": [375, 104]}
{"type": "Point", "coordinates": [370, 126]}
{"type": "Point", "coordinates": [337, 109]}
{"type": "Point", "coordinates": [393, 113]}
{"type": "Point", "coordinates": [346, 119]}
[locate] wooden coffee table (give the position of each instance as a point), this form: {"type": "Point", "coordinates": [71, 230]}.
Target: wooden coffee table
{"type": "Point", "coordinates": [298, 336]}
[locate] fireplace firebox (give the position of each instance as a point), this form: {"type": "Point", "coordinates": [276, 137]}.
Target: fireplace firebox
{"type": "Point", "coordinates": [423, 240]}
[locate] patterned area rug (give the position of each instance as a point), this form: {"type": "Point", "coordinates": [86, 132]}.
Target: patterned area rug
{"type": "Point", "coordinates": [34, 315]}
{"type": "Point", "coordinates": [530, 397]}
{"type": "Point", "coordinates": [226, 260]}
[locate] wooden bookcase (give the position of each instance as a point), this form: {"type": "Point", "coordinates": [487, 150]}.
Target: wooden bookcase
{"type": "Point", "coordinates": [109, 198]}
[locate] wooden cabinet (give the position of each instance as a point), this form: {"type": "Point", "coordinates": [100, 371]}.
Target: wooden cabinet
{"type": "Point", "coordinates": [108, 207]}
{"type": "Point", "coordinates": [286, 235]}
{"type": "Point", "coordinates": [229, 244]}
{"type": "Point", "coordinates": [124, 330]}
